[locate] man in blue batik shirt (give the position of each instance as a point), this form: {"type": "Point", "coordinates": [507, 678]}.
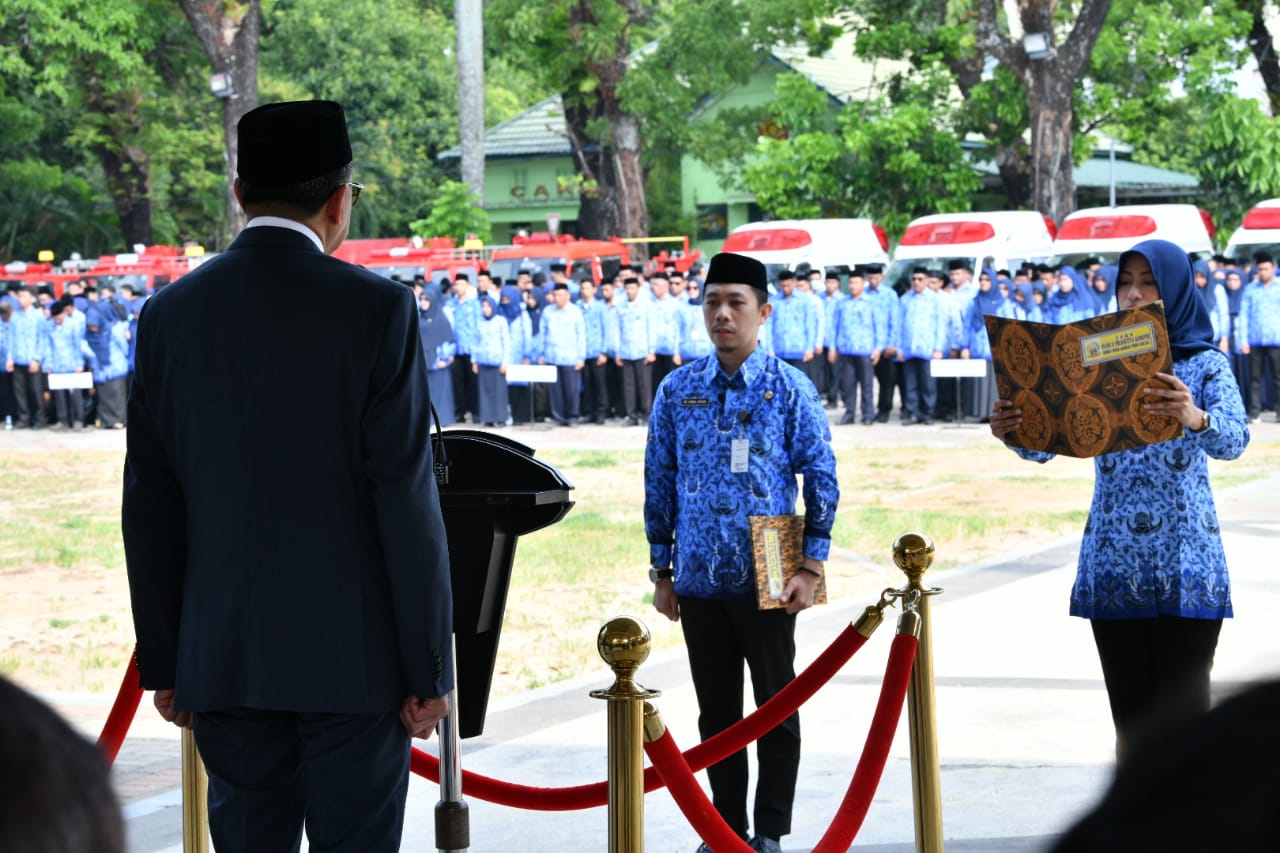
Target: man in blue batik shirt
{"type": "Point", "coordinates": [728, 434]}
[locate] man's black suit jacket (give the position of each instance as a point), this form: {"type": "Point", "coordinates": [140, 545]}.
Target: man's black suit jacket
{"type": "Point", "coordinates": [282, 527]}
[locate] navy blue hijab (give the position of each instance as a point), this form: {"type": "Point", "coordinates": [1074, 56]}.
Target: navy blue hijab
{"type": "Point", "coordinates": [434, 327]}
{"type": "Point", "coordinates": [1190, 329]}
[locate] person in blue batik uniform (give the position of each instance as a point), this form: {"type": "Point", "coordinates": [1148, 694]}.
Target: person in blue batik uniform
{"type": "Point", "coordinates": [728, 434]}
{"type": "Point", "coordinates": [564, 344]}
{"type": "Point", "coordinates": [1152, 576]}
{"type": "Point", "coordinates": [1259, 323]}
{"type": "Point", "coordinates": [63, 350]}
{"type": "Point", "coordinates": [921, 336]}
{"type": "Point", "coordinates": [793, 325]}
{"type": "Point", "coordinates": [856, 339]}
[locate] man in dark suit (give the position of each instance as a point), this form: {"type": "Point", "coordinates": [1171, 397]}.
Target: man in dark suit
{"type": "Point", "coordinates": [287, 559]}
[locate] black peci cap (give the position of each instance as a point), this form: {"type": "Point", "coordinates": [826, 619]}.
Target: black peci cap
{"type": "Point", "coordinates": [292, 142]}
{"type": "Point", "coordinates": [730, 268]}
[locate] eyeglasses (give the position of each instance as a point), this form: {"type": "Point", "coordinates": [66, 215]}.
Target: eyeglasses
{"type": "Point", "coordinates": [355, 190]}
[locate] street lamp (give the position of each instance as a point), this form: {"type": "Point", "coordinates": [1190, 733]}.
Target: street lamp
{"type": "Point", "coordinates": [1037, 45]}
{"type": "Point", "coordinates": [221, 86]}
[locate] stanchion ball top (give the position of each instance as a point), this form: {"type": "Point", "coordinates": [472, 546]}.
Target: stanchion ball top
{"type": "Point", "coordinates": [624, 641]}
{"type": "Point", "coordinates": [913, 552]}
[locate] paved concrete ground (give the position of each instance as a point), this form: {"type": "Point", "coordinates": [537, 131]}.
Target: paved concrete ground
{"type": "Point", "coordinates": [1024, 734]}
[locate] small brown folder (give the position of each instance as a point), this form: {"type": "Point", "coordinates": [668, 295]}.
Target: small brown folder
{"type": "Point", "coordinates": [777, 545]}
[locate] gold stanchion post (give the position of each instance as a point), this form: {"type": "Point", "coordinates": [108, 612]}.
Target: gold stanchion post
{"type": "Point", "coordinates": [195, 797]}
{"type": "Point", "coordinates": [624, 644]}
{"type": "Point", "coordinates": [913, 554]}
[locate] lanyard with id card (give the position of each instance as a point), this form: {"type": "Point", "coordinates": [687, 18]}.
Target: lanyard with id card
{"type": "Point", "coordinates": [740, 447]}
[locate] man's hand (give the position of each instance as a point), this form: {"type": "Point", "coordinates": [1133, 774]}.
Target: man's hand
{"type": "Point", "coordinates": [665, 600]}
{"type": "Point", "coordinates": [164, 704]}
{"type": "Point", "coordinates": [420, 716]}
{"type": "Point", "coordinates": [799, 591]}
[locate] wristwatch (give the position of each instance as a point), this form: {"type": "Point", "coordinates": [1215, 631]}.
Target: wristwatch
{"type": "Point", "coordinates": [657, 573]}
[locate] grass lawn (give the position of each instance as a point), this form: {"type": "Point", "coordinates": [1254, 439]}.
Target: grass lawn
{"type": "Point", "coordinates": [65, 625]}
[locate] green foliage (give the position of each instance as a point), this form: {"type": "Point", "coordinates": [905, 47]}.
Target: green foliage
{"type": "Point", "coordinates": [889, 161]}
{"type": "Point", "coordinates": [455, 212]}
{"type": "Point", "coordinates": [1236, 151]}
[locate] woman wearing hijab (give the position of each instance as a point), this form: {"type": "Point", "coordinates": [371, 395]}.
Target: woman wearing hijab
{"type": "Point", "coordinates": [436, 334]}
{"type": "Point", "coordinates": [489, 359]}
{"type": "Point", "coordinates": [1233, 291]}
{"type": "Point", "coordinates": [691, 327]}
{"type": "Point", "coordinates": [511, 307]}
{"type": "Point", "coordinates": [1104, 289]}
{"type": "Point", "coordinates": [1071, 301]}
{"type": "Point", "coordinates": [979, 394]}
{"type": "Point", "coordinates": [1021, 304]}
{"type": "Point", "coordinates": [1212, 295]}
{"type": "Point", "coordinates": [535, 304]}
{"type": "Point", "coordinates": [1152, 575]}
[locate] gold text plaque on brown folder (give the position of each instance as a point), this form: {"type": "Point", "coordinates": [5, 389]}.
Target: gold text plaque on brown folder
{"type": "Point", "coordinates": [1079, 385]}
{"type": "Point", "coordinates": [777, 544]}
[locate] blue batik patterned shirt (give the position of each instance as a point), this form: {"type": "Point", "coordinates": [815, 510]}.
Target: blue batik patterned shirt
{"type": "Point", "coordinates": [857, 327]}
{"type": "Point", "coordinates": [1260, 314]}
{"type": "Point", "coordinates": [1151, 545]}
{"type": "Point", "coordinates": [696, 509]}
{"type": "Point", "coordinates": [793, 326]}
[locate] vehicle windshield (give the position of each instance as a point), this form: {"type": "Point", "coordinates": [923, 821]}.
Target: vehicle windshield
{"type": "Point", "coordinates": [506, 268]}
{"type": "Point", "coordinates": [1242, 255]}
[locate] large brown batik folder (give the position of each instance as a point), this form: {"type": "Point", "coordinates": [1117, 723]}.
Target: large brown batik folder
{"type": "Point", "coordinates": [1079, 385]}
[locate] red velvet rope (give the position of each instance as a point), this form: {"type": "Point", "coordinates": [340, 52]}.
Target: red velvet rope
{"type": "Point", "coordinates": [690, 797]}
{"type": "Point", "coordinates": [875, 752]}
{"type": "Point", "coordinates": [122, 712]}
{"type": "Point", "coordinates": [783, 704]}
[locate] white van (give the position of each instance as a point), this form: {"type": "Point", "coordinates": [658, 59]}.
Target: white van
{"type": "Point", "coordinates": [999, 239]}
{"type": "Point", "coordinates": [1105, 232]}
{"type": "Point", "coordinates": [1260, 232]}
{"type": "Point", "coordinates": [788, 243]}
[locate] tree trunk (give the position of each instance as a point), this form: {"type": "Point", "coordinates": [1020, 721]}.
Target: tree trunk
{"type": "Point", "coordinates": [469, 23]}
{"type": "Point", "coordinates": [1015, 175]}
{"type": "Point", "coordinates": [125, 164]}
{"type": "Point", "coordinates": [228, 30]}
{"type": "Point", "coordinates": [1052, 183]}
{"type": "Point", "coordinates": [633, 212]}
{"type": "Point", "coordinates": [1263, 47]}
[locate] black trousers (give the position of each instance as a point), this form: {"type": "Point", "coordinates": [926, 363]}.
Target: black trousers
{"type": "Point", "coordinates": [595, 393]}
{"type": "Point", "coordinates": [1263, 359]}
{"type": "Point", "coordinates": [614, 384]}
{"type": "Point", "coordinates": [1156, 672]}
{"type": "Point", "coordinates": [856, 376]}
{"type": "Point", "coordinates": [566, 394]}
{"type": "Point", "coordinates": [466, 389]}
{"type": "Point", "coordinates": [886, 377]}
{"type": "Point", "coordinates": [28, 395]}
{"type": "Point", "coordinates": [6, 396]}
{"type": "Point", "coordinates": [720, 636]}
{"type": "Point", "coordinates": [344, 776]}
{"type": "Point", "coordinates": [922, 391]}
{"type": "Point", "coordinates": [662, 365]}
{"type": "Point", "coordinates": [637, 390]}
{"type": "Point", "coordinates": [70, 407]}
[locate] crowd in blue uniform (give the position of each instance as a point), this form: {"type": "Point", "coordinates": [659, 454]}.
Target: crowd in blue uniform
{"type": "Point", "coordinates": [857, 339]}
{"type": "Point", "coordinates": [88, 329]}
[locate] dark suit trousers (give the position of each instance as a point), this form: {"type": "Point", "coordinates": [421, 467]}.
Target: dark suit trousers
{"type": "Point", "coordinates": [719, 636]}
{"type": "Point", "coordinates": [887, 379]}
{"type": "Point", "coordinates": [856, 373]}
{"type": "Point", "coordinates": [344, 776]}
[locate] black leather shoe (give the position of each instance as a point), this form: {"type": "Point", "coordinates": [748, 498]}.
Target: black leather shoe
{"type": "Point", "coordinates": [847, 419]}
